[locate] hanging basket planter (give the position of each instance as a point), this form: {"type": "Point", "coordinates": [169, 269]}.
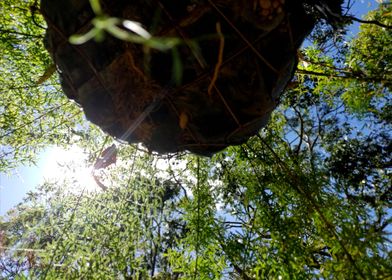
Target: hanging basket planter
{"type": "Point", "coordinates": [233, 61]}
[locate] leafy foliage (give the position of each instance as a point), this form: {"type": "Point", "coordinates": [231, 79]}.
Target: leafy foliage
{"type": "Point", "coordinates": [308, 198]}
{"type": "Point", "coordinates": [369, 58]}
{"type": "Point", "coordinates": [33, 115]}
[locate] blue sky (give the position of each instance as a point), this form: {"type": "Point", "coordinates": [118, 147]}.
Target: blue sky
{"type": "Point", "coordinates": [13, 187]}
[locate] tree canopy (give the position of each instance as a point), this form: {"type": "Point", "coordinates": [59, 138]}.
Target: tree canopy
{"type": "Point", "coordinates": [309, 197]}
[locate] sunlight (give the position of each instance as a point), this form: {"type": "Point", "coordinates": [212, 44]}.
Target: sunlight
{"type": "Point", "coordinates": [70, 166]}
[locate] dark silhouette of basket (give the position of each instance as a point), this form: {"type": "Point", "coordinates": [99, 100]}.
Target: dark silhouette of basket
{"type": "Point", "coordinates": [237, 58]}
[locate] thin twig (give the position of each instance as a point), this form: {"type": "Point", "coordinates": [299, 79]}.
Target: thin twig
{"type": "Point", "coordinates": [198, 217]}
{"type": "Point", "coordinates": [301, 136]}
{"type": "Point", "coordinates": [220, 58]}
{"type": "Point", "coordinates": [7, 31]}
{"type": "Point", "coordinates": [375, 22]}
{"type": "Point", "coordinates": [34, 120]}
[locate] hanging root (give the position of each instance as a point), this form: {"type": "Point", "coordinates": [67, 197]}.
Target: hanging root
{"type": "Point", "coordinates": [220, 58]}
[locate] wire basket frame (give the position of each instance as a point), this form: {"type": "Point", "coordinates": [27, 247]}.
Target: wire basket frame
{"type": "Point", "coordinates": [236, 58]}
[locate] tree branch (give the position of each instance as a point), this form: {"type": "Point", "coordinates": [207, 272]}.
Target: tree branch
{"type": "Point", "coordinates": [375, 22]}
{"type": "Point", "coordinates": [6, 31]}
{"type": "Point", "coordinates": [301, 136]}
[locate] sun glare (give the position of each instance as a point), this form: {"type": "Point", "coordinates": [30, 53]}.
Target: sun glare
{"type": "Point", "coordinates": [69, 165]}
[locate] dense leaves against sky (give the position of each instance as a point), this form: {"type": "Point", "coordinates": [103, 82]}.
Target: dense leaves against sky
{"type": "Point", "coordinates": [307, 198]}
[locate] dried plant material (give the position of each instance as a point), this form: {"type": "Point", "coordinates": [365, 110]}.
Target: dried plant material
{"type": "Point", "coordinates": [265, 4]}
{"type": "Point", "coordinates": [48, 73]}
{"type": "Point", "coordinates": [183, 120]}
{"type": "Point", "coordinates": [220, 58]}
{"type": "Point", "coordinates": [107, 157]}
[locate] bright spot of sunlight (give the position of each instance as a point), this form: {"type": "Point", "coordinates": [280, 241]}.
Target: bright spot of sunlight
{"type": "Point", "coordinates": [69, 165]}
